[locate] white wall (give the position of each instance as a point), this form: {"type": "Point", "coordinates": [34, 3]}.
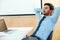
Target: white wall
{"type": "Point", "coordinates": [56, 3]}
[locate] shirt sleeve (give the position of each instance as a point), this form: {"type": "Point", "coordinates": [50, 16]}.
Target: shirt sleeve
{"type": "Point", "coordinates": [37, 12]}
{"type": "Point", "coordinates": [56, 14]}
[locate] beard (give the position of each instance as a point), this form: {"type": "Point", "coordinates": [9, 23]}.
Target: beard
{"type": "Point", "coordinates": [45, 13]}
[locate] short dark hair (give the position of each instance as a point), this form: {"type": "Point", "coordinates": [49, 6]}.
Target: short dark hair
{"type": "Point", "coordinates": [50, 5]}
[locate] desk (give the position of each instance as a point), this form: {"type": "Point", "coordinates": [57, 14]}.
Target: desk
{"type": "Point", "coordinates": [15, 33]}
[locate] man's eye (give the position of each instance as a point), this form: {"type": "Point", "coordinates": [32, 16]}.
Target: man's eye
{"type": "Point", "coordinates": [46, 8]}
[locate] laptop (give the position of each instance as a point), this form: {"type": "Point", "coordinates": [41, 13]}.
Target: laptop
{"type": "Point", "coordinates": [3, 26]}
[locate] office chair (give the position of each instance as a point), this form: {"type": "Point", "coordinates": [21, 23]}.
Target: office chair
{"type": "Point", "coordinates": [50, 36]}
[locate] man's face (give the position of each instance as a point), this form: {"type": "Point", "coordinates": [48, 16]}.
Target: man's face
{"type": "Point", "coordinates": [46, 10]}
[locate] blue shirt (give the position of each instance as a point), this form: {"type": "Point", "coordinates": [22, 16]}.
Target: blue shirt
{"type": "Point", "coordinates": [48, 24]}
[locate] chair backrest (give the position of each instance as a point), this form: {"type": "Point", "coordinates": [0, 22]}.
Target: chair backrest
{"type": "Point", "coordinates": [3, 26]}
{"type": "Point", "coordinates": [50, 36]}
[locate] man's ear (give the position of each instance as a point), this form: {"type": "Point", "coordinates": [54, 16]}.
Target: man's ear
{"type": "Point", "coordinates": [51, 13]}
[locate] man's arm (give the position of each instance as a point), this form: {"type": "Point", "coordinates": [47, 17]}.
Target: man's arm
{"type": "Point", "coordinates": [38, 13]}
{"type": "Point", "coordinates": [56, 14]}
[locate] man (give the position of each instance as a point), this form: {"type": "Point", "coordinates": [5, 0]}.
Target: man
{"type": "Point", "coordinates": [45, 27]}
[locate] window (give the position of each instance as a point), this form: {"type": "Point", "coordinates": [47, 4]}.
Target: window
{"type": "Point", "coordinates": [9, 7]}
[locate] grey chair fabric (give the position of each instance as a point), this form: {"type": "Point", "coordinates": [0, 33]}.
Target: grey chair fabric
{"type": "Point", "coordinates": [50, 36]}
{"type": "Point", "coordinates": [3, 26]}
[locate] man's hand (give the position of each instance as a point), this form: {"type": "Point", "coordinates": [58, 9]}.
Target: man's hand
{"type": "Point", "coordinates": [26, 38]}
{"type": "Point", "coordinates": [30, 38]}
{"type": "Point", "coordinates": [37, 10]}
